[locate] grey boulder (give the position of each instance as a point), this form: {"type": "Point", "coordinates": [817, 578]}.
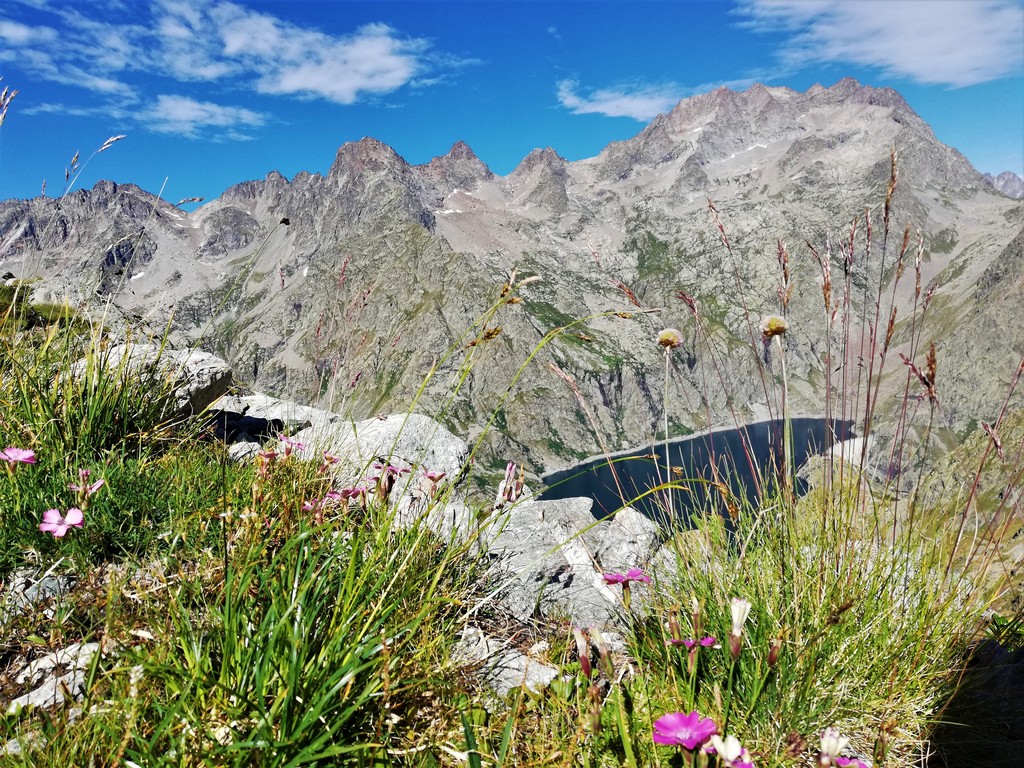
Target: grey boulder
{"type": "Point", "coordinates": [192, 378]}
{"type": "Point", "coordinates": [550, 557]}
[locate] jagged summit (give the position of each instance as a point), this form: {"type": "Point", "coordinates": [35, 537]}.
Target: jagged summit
{"type": "Point", "coordinates": [460, 168]}
{"type": "Point", "coordinates": [740, 130]}
{"type": "Point", "coordinates": [461, 151]}
{"type": "Point", "coordinates": [1007, 182]}
{"type": "Point", "coordinates": [251, 190]}
{"type": "Point", "coordinates": [540, 180]}
{"type": "Point", "coordinates": [367, 154]}
{"type": "Point", "coordinates": [546, 158]}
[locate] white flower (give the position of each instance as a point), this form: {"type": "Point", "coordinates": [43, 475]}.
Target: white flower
{"type": "Point", "coordinates": [730, 751]}
{"type": "Point", "coordinates": [832, 743]}
{"type": "Point", "coordinates": [740, 611]}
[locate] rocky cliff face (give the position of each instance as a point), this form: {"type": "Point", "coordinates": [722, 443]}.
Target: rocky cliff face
{"type": "Point", "coordinates": [383, 266]}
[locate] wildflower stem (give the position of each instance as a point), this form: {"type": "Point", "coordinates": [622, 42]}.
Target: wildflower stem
{"type": "Point", "coordinates": [668, 461]}
{"type": "Point", "coordinates": [728, 695]}
{"type": "Point", "coordinates": [691, 659]}
{"type": "Point", "coordinates": [787, 431]}
{"type": "Point", "coordinates": [627, 742]}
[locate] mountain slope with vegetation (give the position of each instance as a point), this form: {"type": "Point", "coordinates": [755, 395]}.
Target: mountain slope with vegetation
{"type": "Point", "coordinates": [351, 301]}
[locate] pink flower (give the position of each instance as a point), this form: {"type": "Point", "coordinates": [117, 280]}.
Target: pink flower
{"type": "Point", "coordinates": [355, 492]}
{"type": "Point", "coordinates": [58, 525]}
{"type": "Point", "coordinates": [263, 461]}
{"type": "Point", "coordinates": [704, 642]}
{"type": "Point", "coordinates": [633, 574]}
{"type": "Point", "coordinates": [390, 469]}
{"type": "Point", "coordinates": [687, 731]}
{"type": "Point", "coordinates": [843, 762]}
{"type": "Point", "coordinates": [17, 456]}
{"type": "Point", "coordinates": [636, 574]}
{"type": "Point", "coordinates": [385, 481]}
{"type": "Point", "coordinates": [319, 504]}
{"type": "Point", "coordinates": [435, 479]}
{"type": "Point", "coordinates": [87, 490]}
{"type": "Point", "coordinates": [329, 461]}
{"type": "Point", "coordinates": [290, 444]}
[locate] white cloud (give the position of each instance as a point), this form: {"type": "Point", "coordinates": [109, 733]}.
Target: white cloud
{"type": "Point", "coordinates": [191, 118]}
{"type": "Point", "coordinates": [188, 46]}
{"type": "Point", "coordinates": [947, 42]}
{"type": "Point", "coordinates": [286, 59]}
{"type": "Point", "coordinates": [57, 108]}
{"type": "Point", "coordinates": [202, 41]}
{"type": "Point", "coordinates": [640, 103]}
{"type": "Point", "coordinates": [14, 34]}
{"type": "Point", "coordinates": [373, 61]}
{"type": "Point", "coordinates": [45, 65]}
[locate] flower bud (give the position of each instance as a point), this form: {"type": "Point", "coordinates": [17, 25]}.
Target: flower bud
{"type": "Point", "coordinates": [603, 653]}
{"type": "Point", "coordinates": [583, 651]}
{"type": "Point", "coordinates": [735, 646]}
{"type": "Point", "coordinates": [774, 325]}
{"type": "Point", "coordinates": [670, 338]}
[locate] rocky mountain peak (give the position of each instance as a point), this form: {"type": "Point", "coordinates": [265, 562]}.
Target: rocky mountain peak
{"type": "Point", "coordinates": [109, 189]}
{"type": "Point", "coordinates": [844, 88]}
{"type": "Point", "coordinates": [127, 202]}
{"type": "Point", "coordinates": [459, 169]}
{"type": "Point", "coordinates": [1007, 182]}
{"type": "Point", "coordinates": [726, 125]}
{"type": "Point", "coordinates": [367, 154]}
{"type": "Point", "coordinates": [461, 151]}
{"type": "Point", "coordinates": [546, 159]}
{"type": "Point", "coordinates": [369, 179]}
{"type": "Point", "coordinates": [105, 187]}
{"type": "Point", "coordinates": [249, 191]}
{"type": "Point", "coordinates": [540, 180]}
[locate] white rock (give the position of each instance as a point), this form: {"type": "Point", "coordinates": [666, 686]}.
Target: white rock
{"type": "Point", "coordinates": [501, 667]}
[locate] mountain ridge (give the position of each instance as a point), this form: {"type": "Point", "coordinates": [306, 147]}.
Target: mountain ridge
{"type": "Point", "coordinates": [384, 264]}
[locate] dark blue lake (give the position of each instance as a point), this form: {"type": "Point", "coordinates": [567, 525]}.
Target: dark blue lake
{"type": "Point", "coordinates": [745, 459]}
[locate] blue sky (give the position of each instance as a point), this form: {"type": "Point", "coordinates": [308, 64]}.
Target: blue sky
{"type": "Point", "coordinates": [209, 93]}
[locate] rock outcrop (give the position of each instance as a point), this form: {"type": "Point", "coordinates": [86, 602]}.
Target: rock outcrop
{"type": "Point", "coordinates": [547, 557]}
{"type": "Point", "coordinates": [192, 379]}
